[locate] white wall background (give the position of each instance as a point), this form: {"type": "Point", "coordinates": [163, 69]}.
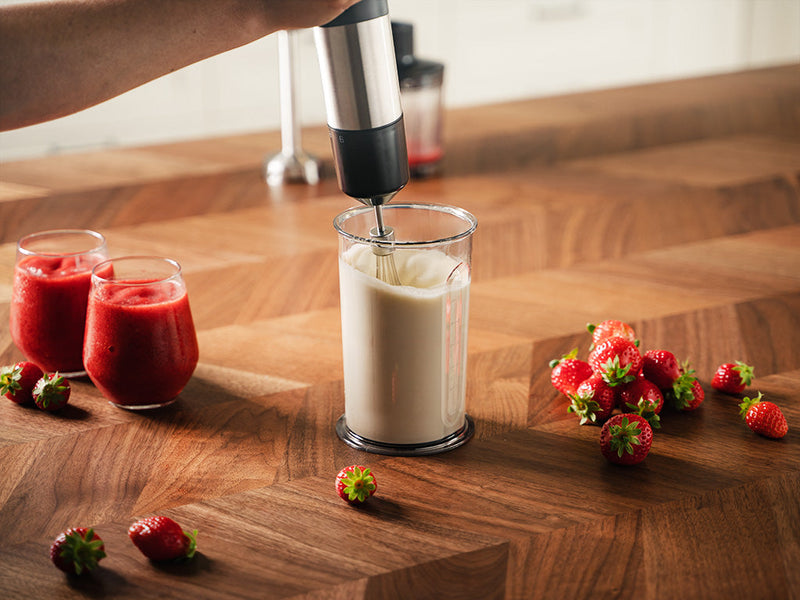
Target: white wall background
{"type": "Point", "coordinates": [494, 50]}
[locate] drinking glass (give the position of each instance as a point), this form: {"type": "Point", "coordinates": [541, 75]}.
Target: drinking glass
{"type": "Point", "coordinates": [405, 346]}
{"type": "Point", "coordinates": [50, 290]}
{"type": "Point", "coordinates": [141, 346]}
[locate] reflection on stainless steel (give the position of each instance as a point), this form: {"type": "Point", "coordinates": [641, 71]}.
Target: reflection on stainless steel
{"type": "Point", "coordinates": [358, 66]}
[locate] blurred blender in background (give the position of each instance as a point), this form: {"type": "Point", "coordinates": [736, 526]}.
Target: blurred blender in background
{"type": "Point", "coordinates": [421, 96]}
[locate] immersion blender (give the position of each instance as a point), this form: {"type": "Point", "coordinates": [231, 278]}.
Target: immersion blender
{"type": "Point", "coordinates": [365, 117]}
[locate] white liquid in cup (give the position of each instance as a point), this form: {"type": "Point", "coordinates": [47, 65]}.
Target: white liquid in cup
{"type": "Point", "coordinates": [405, 347]}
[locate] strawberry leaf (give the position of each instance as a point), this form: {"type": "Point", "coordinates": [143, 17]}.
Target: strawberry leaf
{"type": "Point", "coordinates": [646, 409]}
{"type": "Point", "coordinates": [584, 406]}
{"type": "Point", "coordinates": [358, 484]}
{"type": "Point", "coordinates": [9, 380]}
{"type": "Point", "coordinates": [748, 403]}
{"type": "Point", "coordinates": [82, 551]}
{"type": "Point", "coordinates": [192, 549]}
{"type": "Point", "coordinates": [614, 374]}
{"type": "Point", "coordinates": [569, 355]}
{"type": "Point", "coordinates": [745, 372]}
{"type": "Point", "coordinates": [682, 393]}
{"type": "Point", "coordinates": [624, 436]}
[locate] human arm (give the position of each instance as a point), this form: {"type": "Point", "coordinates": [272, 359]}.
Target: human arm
{"type": "Point", "coordinates": [60, 56]}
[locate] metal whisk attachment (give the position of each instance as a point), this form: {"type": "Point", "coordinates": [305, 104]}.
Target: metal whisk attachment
{"type": "Point", "coordinates": [385, 269]}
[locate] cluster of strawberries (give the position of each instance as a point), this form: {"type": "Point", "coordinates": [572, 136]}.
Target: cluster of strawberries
{"type": "Point", "coordinates": [618, 377]}
{"type": "Point", "coordinates": [25, 383]}
{"type": "Point", "coordinates": [78, 550]}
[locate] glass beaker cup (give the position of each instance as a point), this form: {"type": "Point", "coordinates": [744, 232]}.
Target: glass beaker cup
{"type": "Point", "coordinates": [47, 316]}
{"type": "Point", "coordinates": [405, 346]}
{"type": "Point", "coordinates": [141, 346]}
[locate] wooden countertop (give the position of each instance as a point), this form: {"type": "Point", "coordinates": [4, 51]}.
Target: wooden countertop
{"type": "Point", "coordinates": [674, 206]}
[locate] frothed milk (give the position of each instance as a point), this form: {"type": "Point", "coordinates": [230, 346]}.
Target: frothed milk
{"type": "Point", "coordinates": [404, 346]}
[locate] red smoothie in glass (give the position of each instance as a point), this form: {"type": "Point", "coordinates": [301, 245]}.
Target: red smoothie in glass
{"type": "Point", "coordinates": [48, 309]}
{"type": "Point", "coordinates": [141, 347]}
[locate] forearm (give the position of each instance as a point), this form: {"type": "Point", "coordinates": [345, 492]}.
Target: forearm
{"type": "Point", "coordinates": [63, 56]}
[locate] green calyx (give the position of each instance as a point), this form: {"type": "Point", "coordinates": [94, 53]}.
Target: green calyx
{"type": "Point", "coordinates": [358, 484]}
{"type": "Point", "coordinates": [647, 410]}
{"type": "Point", "coordinates": [745, 371]}
{"type": "Point", "coordinates": [192, 549]}
{"type": "Point", "coordinates": [624, 436]}
{"type": "Point", "coordinates": [614, 374]}
{"type": "Point", "coordinates": [82, 551]}
{"type": "Point", "coordinates": [682, 392]}
{"type": "Point", "coordinates": [584, 406]}
{"type": "Point", "coordinates": [49, 391]}
{"type": "Point", "coordinates": [9, 380]}
{"type": "Point", "coordinates": [590, 327]}
{"type": "Point", "coordinates": [569, 355]}
{"type": "Point", "coordinates": [748, 403]}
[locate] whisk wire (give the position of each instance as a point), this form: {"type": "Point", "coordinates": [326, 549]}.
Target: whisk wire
{"type": "Point", "coordinates": [385, 268]}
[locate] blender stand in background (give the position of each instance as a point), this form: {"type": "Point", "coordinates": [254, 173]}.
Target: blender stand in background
{"type": "Point", "coordinates": [292, 163]}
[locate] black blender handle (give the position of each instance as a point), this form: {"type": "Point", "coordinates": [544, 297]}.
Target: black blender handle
{"type": "Point", "coordinates": [361, 11]}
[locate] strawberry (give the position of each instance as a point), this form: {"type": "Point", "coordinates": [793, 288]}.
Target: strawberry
{"type": "Point", "coordinates": [631, 393]}
{"type": "Point", "coordinates": [732, 378]}
{"type": "Point", "coordinates": [626, 439]}
{"type": "Point", "coordinates": [617, 359]}
{"type": "Point", "coordinates": [686, 393]}
{"type": "Point", "coordinates": [763, 417]}
{"type": "Point", "coordinates": [611, 328]}
{"type": "Point", "coordinates": [643, 398]}
{"type": "Point", "coordinates": [661, 367]}
{"type": "Point", "coordinates": [355, 484]}
{"type": "Point", "coordinates": [593, 401]}
{"type": "Point", "coordinates": [161, 538]}
{"type": "Point", "coordinates": [17, 382]}
{"type": "Point", "coordinates": [697, 397]}
{"type": "Point", "coordinates": [77, 550]}
{"type": "Point", "coordinates": [568, 372]}
{"type": "Point", "coordinates": [51, 392]}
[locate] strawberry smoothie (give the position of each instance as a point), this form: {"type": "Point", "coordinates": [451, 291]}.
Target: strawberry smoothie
{"type": "Point", "coordinates": [48, 302]}
{"type": "Point", "coordinates": [141, 346]}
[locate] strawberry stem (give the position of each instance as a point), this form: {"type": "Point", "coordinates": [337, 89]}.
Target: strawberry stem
{"type": "Point", "coordinates": [569, 355]}
{"type": "Point", "coordinates": [584, 406]}
{"type": "Point", "coordinates": [682, 393]}
{"type": "Point", "coordinates": [192, 549]}
{"type": "Point", "coordinates": [358, 484]}
{"type": "Point", "coordinates": [614, 374]}
{"type": "Point", "coordinates": [49, 391]}
{"type": "Point", "coordinates": [748, 403]}
{"type": "Point", "coordinates": [624, 436]}
{"type": "Point", "coordinates": [9, 380]}
{"type": "Point", "coordinates": [745, 371]}
{"type": "Point", "coordinates": [83, 551]}
{"type": "Point", "coordinates": [647, 410]}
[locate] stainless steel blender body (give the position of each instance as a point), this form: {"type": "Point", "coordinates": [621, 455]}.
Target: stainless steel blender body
{"type": "Point", "coordinates": [362, 100]}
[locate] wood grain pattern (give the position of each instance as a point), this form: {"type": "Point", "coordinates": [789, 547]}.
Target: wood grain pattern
{"type": "Point", "coordinates": [673, 206]}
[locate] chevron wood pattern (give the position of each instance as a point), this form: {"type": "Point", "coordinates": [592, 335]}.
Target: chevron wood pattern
{"type": "Point", "coordinates": [675, 207]}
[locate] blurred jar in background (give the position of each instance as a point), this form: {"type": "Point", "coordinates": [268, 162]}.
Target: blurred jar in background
{"type": "Point", "coordinates": [421, 96]}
